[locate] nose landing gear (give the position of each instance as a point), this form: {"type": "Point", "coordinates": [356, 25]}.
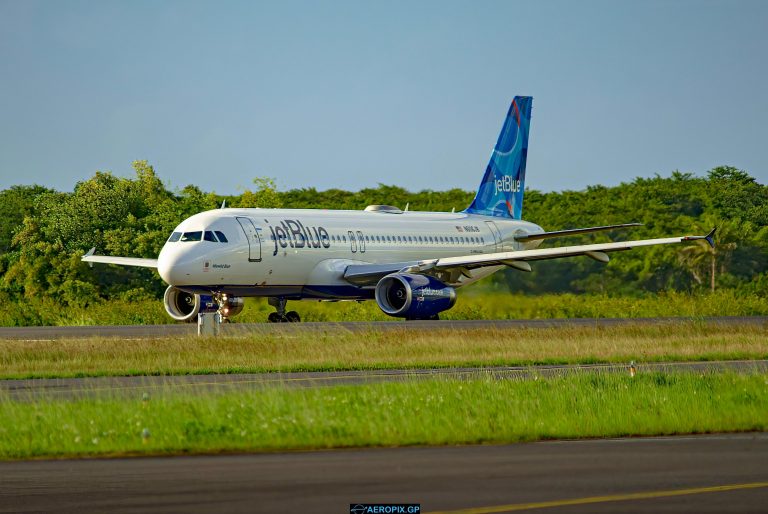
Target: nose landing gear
{"type": "Point", "coordinates": [280, 316]}
{"type": "Point", "coordinates": [221, 301]}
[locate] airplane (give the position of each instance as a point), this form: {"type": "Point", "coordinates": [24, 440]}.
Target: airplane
{"type": "Point", "coordinates": [409, 262]}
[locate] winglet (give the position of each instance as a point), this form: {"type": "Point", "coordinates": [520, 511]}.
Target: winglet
{"type": "Point", "coordinates": [710, 238]}
{"type": "Point", "coordinates": [90, 252]}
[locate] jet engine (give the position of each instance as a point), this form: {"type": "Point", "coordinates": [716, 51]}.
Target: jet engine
{"type": "Point", "coordinates": [411, 296]}
{"type": "Point", "coordinates": [183, 306]}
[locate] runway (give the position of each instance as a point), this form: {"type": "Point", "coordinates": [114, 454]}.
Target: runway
{"type": "Point", "coordinates": [703, 474]}
{"type": "Point", "coordinates": [246, 329]}
{"type": "Point", "coordinates": [61, 388]}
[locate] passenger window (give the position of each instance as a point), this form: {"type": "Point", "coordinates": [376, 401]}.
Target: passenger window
{"type": "Point", "coordinates": [174, 237]}
{"type": "Point", "coordinates": [191, 236]}
{"type": "Point", "coordinates": [221, 236]}
{"type": "Point", "coordinates": [210, 237]}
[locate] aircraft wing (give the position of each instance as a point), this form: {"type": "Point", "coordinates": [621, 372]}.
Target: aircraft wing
{"type": "Point", "coordinates": [90, 258]}
{"type": "Point", "coordinates": [367, 274]}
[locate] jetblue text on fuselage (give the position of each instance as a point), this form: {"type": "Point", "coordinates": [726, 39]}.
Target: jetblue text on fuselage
{"type": "Point", "coordinates": [507, 184]}
{"type": "Point", "coordinates": [293, 233]}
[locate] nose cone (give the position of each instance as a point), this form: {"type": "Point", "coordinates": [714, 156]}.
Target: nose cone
{"type": "Point", "coordinates": [173, 266]}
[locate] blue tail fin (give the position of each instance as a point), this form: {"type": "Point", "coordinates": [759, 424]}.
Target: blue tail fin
{"type": "Point", "coordinates": [501, 190]}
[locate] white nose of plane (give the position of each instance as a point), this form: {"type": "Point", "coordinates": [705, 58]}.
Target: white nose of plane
{"type": "Point", "coordinates": [174, 266]}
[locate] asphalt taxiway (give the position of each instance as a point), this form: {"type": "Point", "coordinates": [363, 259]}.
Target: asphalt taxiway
{"type": "Point", "coordinates": [245, 329]}
{"type": "Point", "coordinates": [703, 474]}
{"type": "Point", "coordinates": [60, 388]}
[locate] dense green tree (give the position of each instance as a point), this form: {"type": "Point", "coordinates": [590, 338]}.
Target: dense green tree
{"type": "Point", "coordinates": [16, 203]}
{"type": "Point", "coordinates": [43, 233]}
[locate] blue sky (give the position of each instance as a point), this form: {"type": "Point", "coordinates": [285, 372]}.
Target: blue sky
{"type": "Point", "coordinates": [352, 94]}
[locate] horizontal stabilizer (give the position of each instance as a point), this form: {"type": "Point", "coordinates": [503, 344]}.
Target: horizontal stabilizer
{"type": "Point", "coordinates": [572, 232]}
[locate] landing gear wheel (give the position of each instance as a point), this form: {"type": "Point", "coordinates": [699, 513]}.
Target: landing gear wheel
{"type": "Point", "coordinates": [281, 316]}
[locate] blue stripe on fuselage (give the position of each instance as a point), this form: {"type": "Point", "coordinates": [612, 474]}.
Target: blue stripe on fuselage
{"type": "Point", "coordinates": [291, 292]}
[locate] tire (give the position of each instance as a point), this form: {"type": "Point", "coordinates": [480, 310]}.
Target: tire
{"type": "Point", "coordinates": [292, 317]}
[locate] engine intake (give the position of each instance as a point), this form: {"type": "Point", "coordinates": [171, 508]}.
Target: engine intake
{"type": "Point", "coordinates": [411, 296]}
{"type": "Point", "coordinates": [183, 306]}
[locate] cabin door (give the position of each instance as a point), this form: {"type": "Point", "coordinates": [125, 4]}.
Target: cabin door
{"type": "Point", "coordinates": [252, 235]}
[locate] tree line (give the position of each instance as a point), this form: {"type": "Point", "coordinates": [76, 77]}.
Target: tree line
{"type": "Point", "coordinates": [44, 232]}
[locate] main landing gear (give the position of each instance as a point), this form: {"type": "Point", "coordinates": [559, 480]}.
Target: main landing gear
{"type": "Point", "coordinates": [280, 316]}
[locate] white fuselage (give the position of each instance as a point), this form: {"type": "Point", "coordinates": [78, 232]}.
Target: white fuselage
{"type": "Point", "coordinates": [303, 253]}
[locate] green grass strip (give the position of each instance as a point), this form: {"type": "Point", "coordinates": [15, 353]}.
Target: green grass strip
{"type": "Point", "coordinates": [337, 350]}
{"type": "Point", "coordinates": [432, 412]}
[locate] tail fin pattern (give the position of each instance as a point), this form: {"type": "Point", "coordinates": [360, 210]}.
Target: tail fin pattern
{"type": "Point", "coordinates": [501, 190]}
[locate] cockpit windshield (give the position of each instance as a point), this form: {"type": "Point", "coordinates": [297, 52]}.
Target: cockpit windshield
{"type": "Point", "coordinates": [191, 236]}
{"type": "Point", "coordinates": [213, 236]}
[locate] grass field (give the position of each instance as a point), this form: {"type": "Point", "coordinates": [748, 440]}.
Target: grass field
{"type": "Point", "coordinates": [433, 412]}
{"type": "Point", "coordinates": [337, 350]}
{"type": "Point", "coordinates": [474, 302]}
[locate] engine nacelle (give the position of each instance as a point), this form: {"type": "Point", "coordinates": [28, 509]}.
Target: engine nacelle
{"type": "Point", "coordinates": [183, 306]}
{"type": "Point", "coordinates": [410, 296]}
